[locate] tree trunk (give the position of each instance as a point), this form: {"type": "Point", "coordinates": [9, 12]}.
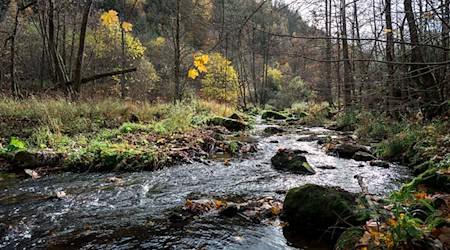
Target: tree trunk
{"type": "Point", "coordinates": [328, 84]}
{"type": "Point", "coordinates": [80, 55]}
{"type": "Point", "coordinates": [14, 86]}
{"type": "Point", "coordinates": [348, 79]}
{"type": "Point", "coordinates": [424, 78]}
{"type": "Point", "coordinates": [394, 91]}
{"type": "Point", "coordinates": [177, 54]}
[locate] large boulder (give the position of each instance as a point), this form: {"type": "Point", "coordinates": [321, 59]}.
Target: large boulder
{"type": "Point", "coordinates": [269, 114]}
{"type": "Point", "coordinates": [347, 150]}
{"type": "Point", "coordinates": [292, 160]}
{"type": "Point", "coordinates": [230, 124]}
{"type": "Point", "coordinates": [315, 208]}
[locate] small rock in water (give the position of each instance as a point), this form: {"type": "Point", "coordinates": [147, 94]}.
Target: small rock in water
{"type": "Point", "coordinates": [273, 130]}
{"type": "Point", "coordinates": [281, 191]}
{"type": "Point", "coordinates": [292, 160]}
{"type": "Point", "coordinates": [327, 167]}
{"type": "Point", "coordinates": [379, 163]}
{"type": "Point", "coordinates": [274, 141]}
{"type": "Point", "coordinates": [61, 194]}
{"type": "Point", "coordinates": [229, 211]}
{"type": "Point", "coordinates": [3, 229]}
{"type": "Point", "coordinates": [363, 156]}
{"type": "Point", "coordinates": [176, 217]}
{"type": "Point", "coordinates": [114, 179]}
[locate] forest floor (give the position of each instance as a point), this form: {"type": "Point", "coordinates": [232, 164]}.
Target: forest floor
{"type": "Point", "coordinates": [41, 137]}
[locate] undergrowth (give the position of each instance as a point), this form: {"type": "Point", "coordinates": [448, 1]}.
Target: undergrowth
{"type": "Point", "coordinates": [90, 132]}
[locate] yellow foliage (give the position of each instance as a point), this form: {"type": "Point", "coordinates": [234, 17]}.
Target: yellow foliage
{"type": "Point", "coordinates": [193, 73]}
{"type": "Point", "coordinates": [107, 41]}
{"type": "Point", "coordinates": [420, 196]}
{"type": "Point", "coordinates": [199, 63]}
{"type": "Point", "coordinates": [110, 18]}
{"type": "Point", "coordinates": [221, 81]}
{"type": "Point", "coordinates": [158, 42]}
{"type": "Point", "coordinates": [127, 26]}
{"type": "Point", "coordinates": [202, 68]}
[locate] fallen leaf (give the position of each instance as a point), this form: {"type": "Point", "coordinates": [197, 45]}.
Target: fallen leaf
{"type": "Point", "coordinates": [188, 203]}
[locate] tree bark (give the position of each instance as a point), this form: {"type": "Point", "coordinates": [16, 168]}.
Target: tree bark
{"type": "Point", "coordinates": [423, 77]}
{"type": "Point", "coordinates": [348, 79]}
{"type": "Point", "coordinates": [80, 55]}
{"type": "Point", "coordinates": [177, 54]}
{"type": "Point", "coordinates": [328, 84]}
{"type": "Point", "coordinates": [394, 91]}
{"type": "Point", "coordinates": [14, 87]}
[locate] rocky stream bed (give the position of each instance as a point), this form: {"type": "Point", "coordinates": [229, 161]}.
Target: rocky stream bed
{"type": "Point", "coordinates": [148, 209]}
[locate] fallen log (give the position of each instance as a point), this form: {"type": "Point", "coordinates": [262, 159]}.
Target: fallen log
{"type": "Point", "coordinates": [104, 75]}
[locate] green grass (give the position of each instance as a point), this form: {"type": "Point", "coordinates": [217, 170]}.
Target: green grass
{"type": "Point", "coordinates": [91, 132]}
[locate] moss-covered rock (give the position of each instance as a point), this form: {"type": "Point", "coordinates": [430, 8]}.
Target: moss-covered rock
{"type": "Point", "coordinates": [269, 114]}
{"type": "Point", "coordinates": [363, 156]}
{"type": "Point", "coordinates": [273, 130]}
{"type": "Point", "coordinates": [421, 168]}
{"type": "Point", "coordinates": [292, 160]}
{"type": "Point", "coordinates": [349, 238]}
{"type": "Point", "coordinates": [230, 124]}
{"type": "Point", "coordinates": [316, 208]}
{"type": "Point", "coordinates": [236, 116]}
{"type": "Point", "coordinates": [432, 178]}
{"type": "Point", "coordinates": [347, 150]}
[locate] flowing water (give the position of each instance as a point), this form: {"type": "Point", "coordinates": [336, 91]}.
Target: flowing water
{"type": "Point", "coordinates": [134, 214]}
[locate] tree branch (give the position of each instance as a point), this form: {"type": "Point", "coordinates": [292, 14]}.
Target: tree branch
{"type": "Point", "coordinates": [104, 75]}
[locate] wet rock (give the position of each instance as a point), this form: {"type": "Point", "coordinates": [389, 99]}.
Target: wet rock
{"type": "Point", "coordinates": [176, 218]}
{"type": "Point", "coordinates": [230, 124]}
{"type": "Point", "coordinates": [275, 141]}
{"type": "Point", "coordinates": [269, 114]}
{"type": "Point", "coordinates": [349, 238]}
{"type": "Point", "coordinates": [316, 208]}
{"type": "Point", "coordinates": [327, 167]}
{"type": "Point", "coordinates": [308, 138]}
{"type": "Point", "coordinates": [379, 163]}
{"type": "Point", "coordinates": [363, 156]}
{"type": "Point", "coordinates": [3, 230]}
{"type": "Point", "coordinates": [235, 116]}
{"type": "Point", "coordinates": [252, 148]}
{"type": "Point", "coordinates": [229, 211]}
{"type": "Point", "coordinates": [292, 160]}
{"type": "Point", "coordinates": [347, 150]}
{"type": "Point", "coordinates": [273, 130]}
{"type": "Point", "coordinates": [323, 140]}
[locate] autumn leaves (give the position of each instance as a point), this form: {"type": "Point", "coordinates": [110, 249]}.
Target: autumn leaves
{"type": "Point", "coordinates": [111, 17]}
{"type": "Point", "coordinates": [199, 66]}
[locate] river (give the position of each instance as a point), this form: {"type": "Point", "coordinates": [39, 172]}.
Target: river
{"type": "Point", "coordinates": [134, 214]}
